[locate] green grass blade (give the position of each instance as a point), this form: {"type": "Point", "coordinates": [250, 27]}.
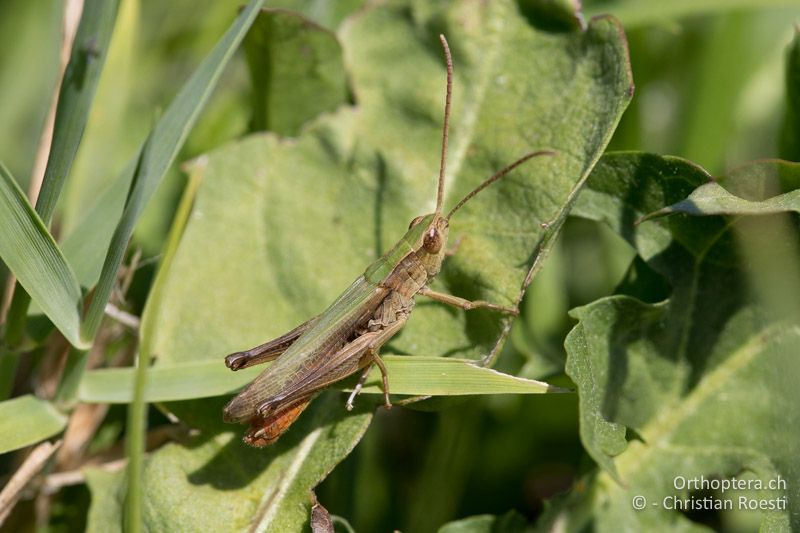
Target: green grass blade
{"type": "Point", "coordinates": [86, 246]}
{"type": "Point", "coordinates": [116, 249]}
{"type": "Point", "coordinates": [158, 152]}
{"type": "Point", "coordinates": [417, 375]}
{"type": "Point", "coordinates": [75, 97]}
{"type": "Point", "coordinates": [27, 420]}
{"type": "Point", "coordinates": [165, 140]}
{"type": "Point", "coordinates": [36, 260]}
{"type": "Point", "coordinates": [71, 377]}
{"type": "Point", "coordinates": [485, 523]}
{"type": "Point", "coordinates": [89, 52]}
{"type": "Point", "coordinates": [150, 320]}
{"type": "Point", "coordinates": [440, 376]}
{"type": "Point", "coordinates": [164, 383]}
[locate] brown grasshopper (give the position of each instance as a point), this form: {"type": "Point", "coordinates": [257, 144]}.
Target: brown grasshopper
{"type": "Point", "coordinates": [347, 336]}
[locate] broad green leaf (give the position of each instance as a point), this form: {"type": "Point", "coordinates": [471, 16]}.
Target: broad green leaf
{"type": "Point", "coordinates": [327, 14]}
{"type": "Point", "coordinates": [280, 227]}
{"type": "Point", "coordinates": [36, 260]}
{"type": "Point", "coordinates": [417, 375]}
{"type": "Point", "coordinates": [790, 134]}
{"type": "Point", "coordinates": [713, 199]}
{"type": "Point", "coordinates": [108, 500]}
{"type": "Point", "coordinates": [700, 382]}
{"type": "Point", "coordinates": [753, 189]}
{"type": "Point", "coordinates": [224, 479]}
{"type": "Point", "coordinates": [284, 47]}
{"type": "Point", "coordinates": [635, 13]}
{"type": "Point", "coordinates": [26, 420]}
{"type": "Point", "coordinates": [511, 522]}
{"type": "Point", "coordinates": [553, 15]}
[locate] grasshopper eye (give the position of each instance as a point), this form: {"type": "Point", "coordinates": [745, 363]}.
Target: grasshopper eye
{"type": "Point", "coordinates": [432, 242]}
{"type": "Point", "coordinates": [416, 221]}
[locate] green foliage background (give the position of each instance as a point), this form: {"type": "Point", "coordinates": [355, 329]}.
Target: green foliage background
{"type": "Point", "coordinates": [668, 303]}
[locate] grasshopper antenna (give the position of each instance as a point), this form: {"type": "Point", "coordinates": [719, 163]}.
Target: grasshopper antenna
{"type": "Point", "coordinates": [496, 177]}
{"type": "Point", "coordinates": [446, 129]}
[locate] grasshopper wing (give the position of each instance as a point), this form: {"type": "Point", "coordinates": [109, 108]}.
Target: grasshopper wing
{"type": "Point", "coordinates": [324, 338]}
{"type": "Point", "coordinates": [269, 350]}
{"type": "Point", "coordinates": [352, 357]}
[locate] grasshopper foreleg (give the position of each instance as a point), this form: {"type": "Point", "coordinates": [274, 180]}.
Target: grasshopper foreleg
{"type": "Point", "coordinates": [466, 304]}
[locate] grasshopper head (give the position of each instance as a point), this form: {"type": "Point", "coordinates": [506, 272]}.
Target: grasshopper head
{"type": "Point", "coordinates": [433, 244]}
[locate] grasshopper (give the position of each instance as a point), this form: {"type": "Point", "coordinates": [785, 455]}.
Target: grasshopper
{"type": "Point", "coordinates": [348, 335]}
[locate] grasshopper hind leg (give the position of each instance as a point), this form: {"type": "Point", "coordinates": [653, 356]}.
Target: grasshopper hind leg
{"type": "Point", "coordinates": [266, 430]}
{"type": "Point", "coordinates": [351, 358]}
